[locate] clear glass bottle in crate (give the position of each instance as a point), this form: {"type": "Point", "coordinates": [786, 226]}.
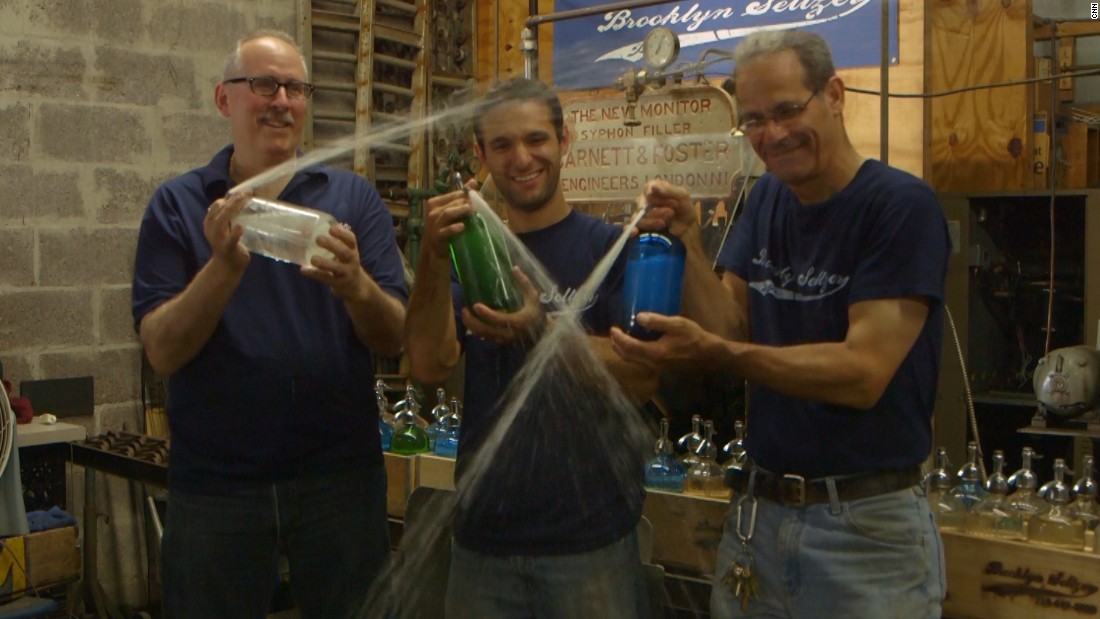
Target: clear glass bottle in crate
{"type": "Point", "coordinates": [689, 443]}
{"type": "Point", "coordinates": [994, 516]}
{"type": "Point", "coordinates": [1057, 526]}
{"type": "Point", "coordinates": [706, 477]}
{"type": "Point", "coordinates": [938, 485]}
{"type": "Point", "coordinates": [1025, 498]}
{"type": "Point", "coordinates": [969, 489]}
{"type": "Point", "coordinates": [735, 449]}
{"type": "Point", "coordinates": [1084, 507]}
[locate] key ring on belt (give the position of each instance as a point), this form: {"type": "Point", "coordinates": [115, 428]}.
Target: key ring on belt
{"type": "Point", "coordinates": [741, 575]}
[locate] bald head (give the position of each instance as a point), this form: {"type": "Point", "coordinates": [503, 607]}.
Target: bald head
{"type": "Point", "coordinates": [264, 37]}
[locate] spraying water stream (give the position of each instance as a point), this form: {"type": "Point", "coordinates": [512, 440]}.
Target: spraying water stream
{"type": "Point", "coordinates": [561, 372]}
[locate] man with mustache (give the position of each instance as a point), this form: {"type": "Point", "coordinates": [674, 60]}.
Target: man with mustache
{"type": "Point", "coordinates": [833, 313]}
{"type": "Point", "coordinates": [275, 442]}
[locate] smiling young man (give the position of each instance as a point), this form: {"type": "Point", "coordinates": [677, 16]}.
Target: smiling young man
{"type": "Point", "coordinates": [548, 530]}
{"type": "Point", "coordinates": [275, 444]}
{"type": "Point", "coordinates": [834, 315]}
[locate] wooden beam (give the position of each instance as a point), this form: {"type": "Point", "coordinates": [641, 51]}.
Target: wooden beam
{"type": "Point", "coordinates": [1085, 28]}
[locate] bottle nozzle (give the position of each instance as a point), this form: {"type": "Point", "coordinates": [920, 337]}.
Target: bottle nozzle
{"type": "Point", "coordinates": [459, 183]}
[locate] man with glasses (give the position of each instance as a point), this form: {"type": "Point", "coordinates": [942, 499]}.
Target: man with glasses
{"type": "Point", "coordinates": [275, 442]}
{"type": "Point", "coordinates": [833, 309]}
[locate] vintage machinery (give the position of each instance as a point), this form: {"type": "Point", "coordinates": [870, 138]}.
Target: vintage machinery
{"type": "Point", "coordinates": [1066, 385]}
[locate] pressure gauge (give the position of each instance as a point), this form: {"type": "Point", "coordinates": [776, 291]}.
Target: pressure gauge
{"type": "Point", "coordinates": [660, 48]}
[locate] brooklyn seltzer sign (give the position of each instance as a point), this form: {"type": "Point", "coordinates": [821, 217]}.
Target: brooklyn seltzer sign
{"type": "Point", "coordinates": [593, 51]}
{"type": "Point", "coordinates": [683, 136]}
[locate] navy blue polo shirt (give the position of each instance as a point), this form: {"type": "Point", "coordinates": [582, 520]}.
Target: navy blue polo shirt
{"type": "Point", "coordinates": [283, 387]}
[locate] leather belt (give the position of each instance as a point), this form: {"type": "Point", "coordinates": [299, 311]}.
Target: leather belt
{"type": "Point", "coordinates": [796, 491]}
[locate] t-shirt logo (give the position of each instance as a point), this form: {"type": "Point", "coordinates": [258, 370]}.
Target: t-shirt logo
{"type": "Point", "coordinates": [555, 300]}
{"type": "Point", "coordinates": [782, 282]}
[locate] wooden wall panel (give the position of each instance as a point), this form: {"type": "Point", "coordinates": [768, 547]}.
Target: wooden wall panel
{"type": "Point", "coordinates": [980, 140]}
{"type": "Point", "coordinates": [862, 115]}
{"type": "Point", "coordinates": [499, 30]}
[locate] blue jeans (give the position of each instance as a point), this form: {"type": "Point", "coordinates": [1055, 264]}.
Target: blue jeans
{"type": "Point", "coordinates": [220, 554]}
{"type": "Point", "coordinates": [607, 583]}
{"type": "Point", "coordinates": [878, 557]}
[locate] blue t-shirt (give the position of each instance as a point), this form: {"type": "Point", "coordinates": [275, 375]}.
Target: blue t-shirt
{"type": "Point", "coordinates": [565, 479]}
{"type": "Point", "coordinates": [883, 236]}
{"type": "Point", "coordinates": [283, 387]}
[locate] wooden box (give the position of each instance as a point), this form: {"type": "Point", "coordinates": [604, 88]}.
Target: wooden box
{"type": "Point", "coordinates": [435, 471]}
{"type": "Point", "coordinates": [686, 530]}
{"type": "Point", "coordinates": [38, 559]}
{"type": "Point", "coordinates": [996, 579]}
{"type": "Point", "coordinates": [400, 482]}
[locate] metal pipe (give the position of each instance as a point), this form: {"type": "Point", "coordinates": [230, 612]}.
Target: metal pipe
{"type": "Point", "coordinates": [884, 85]}
{"type": "Point", "coordinates": [535, 19]}
{"type": "Point", "coordinates": [529, 42]}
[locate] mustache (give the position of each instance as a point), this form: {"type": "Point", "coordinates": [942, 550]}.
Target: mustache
{"type": "Point", "coordinates": [786, 144]}
{"type": "Point", "coordinates": [278, 117]}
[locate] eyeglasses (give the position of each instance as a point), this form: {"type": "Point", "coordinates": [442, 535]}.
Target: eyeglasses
{"type": "Point", "coordinates": [781, 114]}
{"type": "Point", "coordinates": [267, 86]}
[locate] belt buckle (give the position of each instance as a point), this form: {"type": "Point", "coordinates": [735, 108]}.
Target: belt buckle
{"type": "Point", "coordinates": [801, 484]}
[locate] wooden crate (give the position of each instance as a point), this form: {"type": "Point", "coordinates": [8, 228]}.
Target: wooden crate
{"type": "Point", "coordinates": [38, 560]}
{"type": "Point", "coordinates": [996, 579]}
{"type": "Point", "coordinates": [400, 482]}
{"type": "Point", "coordinates": [435, 471]}
{"type": "Point", "coordinates": [686, 530]}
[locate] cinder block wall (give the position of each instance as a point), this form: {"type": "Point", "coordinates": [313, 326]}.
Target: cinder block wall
{"type": "Point", "coordinates": [100, 100]}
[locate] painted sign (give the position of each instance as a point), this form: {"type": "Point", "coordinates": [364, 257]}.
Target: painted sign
{"type": "Point", "coordinates": [989, 577]}
{"type": "Point", "coordinates": [593, 52]}
{"type": "Point", "coordinates": [1056, 590]}
{"type": "Point", "coordinates": [682, 135]}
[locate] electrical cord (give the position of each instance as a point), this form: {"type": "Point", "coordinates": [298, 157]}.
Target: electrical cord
{"type": "Point", "coordinates": [971, 415]}
{"type": "Point", "coordinates": [906, 95]}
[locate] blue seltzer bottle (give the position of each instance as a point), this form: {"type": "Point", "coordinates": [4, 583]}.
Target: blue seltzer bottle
{"type": "Point", "coordinates": [654, 280]}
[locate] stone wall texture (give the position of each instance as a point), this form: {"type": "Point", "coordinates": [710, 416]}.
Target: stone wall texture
{"type": "Point", "coordinates": [100, 101]}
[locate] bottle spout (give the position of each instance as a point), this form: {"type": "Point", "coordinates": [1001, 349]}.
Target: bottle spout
{"type": "Point", "coordinates": [459, 184]}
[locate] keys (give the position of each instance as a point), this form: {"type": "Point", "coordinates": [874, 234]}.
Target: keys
{"type": "Point", "coordinates": [741, 579]}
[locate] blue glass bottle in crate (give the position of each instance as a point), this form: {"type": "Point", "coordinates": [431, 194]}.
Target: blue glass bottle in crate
{"type": "Point", "coordinates": [438, 426]}
{"type": "Point", "coordinates": [447, 444]}
{"type": "Point", "coordinates": [385, 418]}
{"type": "Point", "coordinates": [954, 503]}
{"type": "Point", "coordinates": [664, 471]}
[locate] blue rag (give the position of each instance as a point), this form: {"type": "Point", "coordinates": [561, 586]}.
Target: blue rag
{"type": "Point", "coordinates": [43, 520]}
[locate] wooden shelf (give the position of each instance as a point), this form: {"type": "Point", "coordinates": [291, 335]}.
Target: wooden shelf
{"type": "Point", "coordinates": [1085, 432]}
{"type": "Point", "coordinates": [1005, 399]}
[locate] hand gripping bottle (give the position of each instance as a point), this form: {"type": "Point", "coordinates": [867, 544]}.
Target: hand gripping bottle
{"type": "Point", "coordinates": [481, 260]}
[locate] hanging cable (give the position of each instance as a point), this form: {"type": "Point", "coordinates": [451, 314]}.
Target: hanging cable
{"type": "Point", "coordinates": [971, 415]}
